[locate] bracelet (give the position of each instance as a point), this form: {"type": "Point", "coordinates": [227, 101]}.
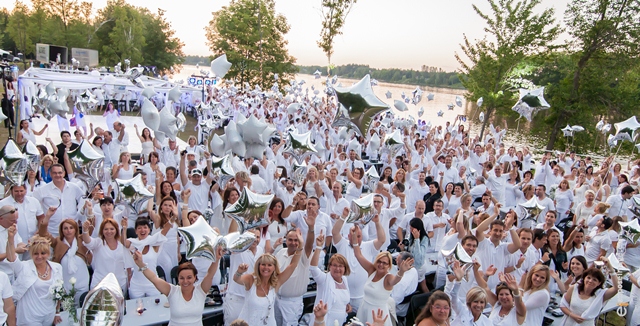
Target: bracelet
{"type": "Point", "coordinates": [517, 296]}
{"type": "Point", "coordinates": [355, 245]}
{"type": "Point", "coordinates": [143, 268]}
{"type": "Point", "coordinates": [57, 314]}
{"type": "Point", "coordinates": [319, 248]}
{"type": "Point", "coordinates": [319, 321]}
{"type": "Point", "coordinates": [238, 274]}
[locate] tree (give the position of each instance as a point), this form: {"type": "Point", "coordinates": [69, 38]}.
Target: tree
{"type": "Point", "coordinates": [162, 49]}
{"type": "Point", "coordinates": [251, 34]}
{"type": "Point", "coordinates": [602, 30]}
{"type": "Point", "coordinates": [121, 35]}
{"type": "Point", "coordinates": [334, 13]}
{"type": "Point", "coordinates": [516, 32]}
{"type": "Point", "coordinates": [17, 28]}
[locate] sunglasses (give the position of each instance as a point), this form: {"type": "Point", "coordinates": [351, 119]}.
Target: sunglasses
{"type": "Point", "coordinates": [13, 210]}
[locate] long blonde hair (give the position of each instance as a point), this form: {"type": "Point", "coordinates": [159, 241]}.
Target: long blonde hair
{"type": "Point", "coordinates": [384, 254]}
{"type": "Point", "coordinates": [528, 284]}
{"type": "Point", "coordinates": [266, 259]}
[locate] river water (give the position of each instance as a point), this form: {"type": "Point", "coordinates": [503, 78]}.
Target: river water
{"type": "Point", "coordinates": [517, 135]}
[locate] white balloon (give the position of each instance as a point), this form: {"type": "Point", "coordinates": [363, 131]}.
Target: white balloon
{"type": "Point", "coordinates": [148, 92]}
{"type": "Point", "coordinates": [50, 89]}
{"type": "Point", "coordinates": [400, 106]}
{"type": "Point", "coordinates": [220, 66]}
{"type": "Point", "coordinates": [217, 146]}
{"type": "Point", "coordinates": [168, 122]}
{"type": "Point", "coordinates": [234, 140]}
{"type": "Point", "coordinates": [150, 115]}
{"type": "Point", "coordinates": [374, 142]}
{"type": "Point", "coordinates": [175, 94]}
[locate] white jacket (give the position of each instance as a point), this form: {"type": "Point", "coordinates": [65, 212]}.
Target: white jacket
{"type": "Point", "coordinates": [26, 274]}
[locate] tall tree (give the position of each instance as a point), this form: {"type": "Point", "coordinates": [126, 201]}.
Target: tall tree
{"type": "Point", "coordinates": [17, 28]}
{"type": "Point", "coordinates": [162, 48]}
{"type": "Point", "coordinates": [64, 13]}
{"type": "Point", "coordinates": [121, 35]}
{"type": "Point", "coordinates": [515, 31]}
{"type": "Point", "coordinates": [251, 34]}
{"type": "Point", "coordinates": [602, 30]}
{"type": "Point", "coordinates": [334, 13]}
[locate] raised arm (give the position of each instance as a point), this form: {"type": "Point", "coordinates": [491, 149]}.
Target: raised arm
{"type": "Point", "coordinates": [183, 170]}
{"type": "Point", "coordinates": [611, 292]}
{"type": "Point", "coordinates": [365, 263]}
{"type": "Point", "coordinates": [381, 236]}
{"type": "Point", "coordinates": [135, 126]}
{"type": "Point", "coordinates": [337, 226]}
{"type": "Point", "coordinates": [351, 178]}
{"type": "Point", "coordinates": [515, 239]}
{"type": "Point", "coordinates": [213, 268]}
{"type": "Point", "coordinates": [316, 254]}
{"type": "Point", "coordinates": [286, 273]}
{"type": "Point", "coordinates": [160, 284]}
{"type": "Point", "coordinates": [485, 224]}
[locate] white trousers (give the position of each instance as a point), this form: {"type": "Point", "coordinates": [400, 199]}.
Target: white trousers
{"type": "Point", "coordinates": [232, 307]}
{"type": "Point", "coordinates": [288, 310]}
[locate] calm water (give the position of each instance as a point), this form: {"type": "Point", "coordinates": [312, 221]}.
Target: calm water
{"type": "Point", "coordinates": [442, 97]}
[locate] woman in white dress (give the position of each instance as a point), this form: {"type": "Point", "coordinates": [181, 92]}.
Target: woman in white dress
{"type": "Point", "coordinates": [378, 287]}
{"type": "Point", "coordinates": [153, 167]}
{"type": "Point", "coordinates": [584, 210]}
{"type": "Point", "coordinates": [108, 252]}
{"type": "Point", "coordinates": [148, 143]}
{"type": "Point", "coordinates": [167, 214]}
{"type": "Point", "coordinates": [111, 114]}
{"type": "Point", "coordinates": [536, 296]}
{"type": "Point", "coordinates": [354, 187]}
{"type": "Point", "coordinates": [508, 309]}
{"type": "Point", "coordinates": [124, 169]}
{"type": "Point", "coordinates": [149, 246]}
{"type": "Point", "coordinates": [69, 251]}
{"type": "Point", "coordinates": [28, 134]}
{"type": "Point", "coordinates": [34, 279]}
{"type": "Point", "coordinates": [186, 300]}
{"type": "Point", "coordinates": [261, 286]}
{"type": "Point", "coordinates": [469, 314]}
{"type": "Point", "coordinates": [563, 200]}
{"type": "Point", "coordinates": [311, 182]}
{"type": "Point", "coordinates": [574, 246]}
{"type": "Point", "coordinates": [332, 286]}
{"type": "Point", "coordinates": [582, 303]}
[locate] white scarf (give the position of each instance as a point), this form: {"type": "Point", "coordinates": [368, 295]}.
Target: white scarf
{"type": "Point", "coordinates": [594, 309]}
{"type": "Point", "coordinates": [71, 261]}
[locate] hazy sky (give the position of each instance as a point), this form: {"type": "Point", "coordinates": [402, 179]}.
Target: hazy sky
{"type": "Point", "coordinates": [381, 33]}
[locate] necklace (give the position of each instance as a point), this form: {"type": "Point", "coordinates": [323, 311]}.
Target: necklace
{"type": "Point", "coordinates": [265, 319]}
{"type": "Point", "coordinates": [46, 272]}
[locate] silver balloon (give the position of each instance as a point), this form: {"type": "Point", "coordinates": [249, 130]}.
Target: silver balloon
{"type": "Point", "coordinates": [200, 239]}
{"type": "Point", "coordinates": [87, 164]}
{"type": "Point", "coordinates": [361, 102]}
{"type": "Point", "coordinates": [299, 146]}
{"type": "Point", "coordinates": [458, 254]}
{"type": "Point", "coordinates": [532, 208]}
{"type": "Point", "coordinates": [372, 178]}
{"type": "Point", "coordinates": [362, 210]}
{"type": "Point", "coordinates": [133, 193]}
{"type": "Point", "coordinates": [626, 130]}
{"type": "Point", "coordinates": [393, 142]}
{"type": "Point", "coordinates": [630, 231]}
{"type": "Point", "coordinates": [32, 154]}
{"type": "Point", "coordinates": [104, 304]}
{"type": "Point", "coordinates": [299, 173]}
{"type": "Point", "coordinates": [238, 242]}
{"type": "Point", "coordinates": [13, 164]}
{"type": "Point", "coordinates": [181, 122]}
{"type": "Point", "coordinates": [459, 101]}
{"type": "Point", "coordinates": [617, 266]}
{"type": "Point", "coordinates": [251, 210]}
{"type": "Point", "coordinates": [222, 169]}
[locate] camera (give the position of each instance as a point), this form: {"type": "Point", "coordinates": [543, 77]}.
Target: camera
{"type": "Point", "coordinates": [405, 242]}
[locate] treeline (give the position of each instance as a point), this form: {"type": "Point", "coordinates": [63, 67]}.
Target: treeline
{"type": "Point", "coordinates": [118, 31]}
{"type": "Point", "coordinates": [427, 76]}
{"type": "Point", "coordinates": [197, 59]}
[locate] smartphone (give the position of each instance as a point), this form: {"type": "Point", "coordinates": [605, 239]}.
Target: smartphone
{"type": "Point", "coordinates": [279, 171]}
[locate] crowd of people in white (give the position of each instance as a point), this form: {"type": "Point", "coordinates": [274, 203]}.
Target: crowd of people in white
{"type": "Point", "coordinates": [444, 187]}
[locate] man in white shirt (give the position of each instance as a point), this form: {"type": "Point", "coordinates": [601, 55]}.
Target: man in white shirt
{"type": "Point", "coordinates": [68, 194]}
{"type": "Point", "coordinates": [417, 189]}
{"type": "Point", "coordinates": [289, 306]}
{"type": "Point", "coordinates": [170, 154]}
{"type": "Point", "coordinates": [492, 251]}
{"type": "Point", "coordinates": [477, 158]}
{"type": "Point", "coordinates": [521, 261]}
{"type": "Point", "coordinates": [120, 136]}
{"type": "Point", "coordinates": [7, 307]}
{"type": "Point", "coordinates": [111, 150]}
{"type": "Point", "coordinates": [335, 202]}
{"type": "Point", "coordinates": [9, 217]}
{"type": "Point", "coordinates": [353, 161]}
{"type": "Point", "coordinates": [258, 185]}
{"type": "Point", "coordinates": [322, 221]}
{"type": "Point", "coordinates": [407, 285]}
{"type": "Point", "coordinates": [544, 201]}
{"type": "Point", "coordinates": [199, 199]}
{"type": "Point", "coordinates": [439, 221]}
{"type": "Point", "coordinates": [448, 173]}
{"type": "Point", "coordinates": [285, 193]}
{"type": "Point", "coordinates": [496, 182]}
{"type": "Point", "coordinates": [29, 212]}
{"type": "Point", "coordinates": [617, 202]}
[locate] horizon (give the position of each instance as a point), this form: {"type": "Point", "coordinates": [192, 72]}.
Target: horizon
{"type": "Point", "coordinates": [405, 35]}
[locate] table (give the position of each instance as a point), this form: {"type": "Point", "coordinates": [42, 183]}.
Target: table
{"type": "Point", "coordinates": [157, 314]}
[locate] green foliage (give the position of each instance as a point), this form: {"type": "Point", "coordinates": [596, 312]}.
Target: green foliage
{"type": "Point", "coordinates": [516, 32]}
{"type": "Point", "coordinates": [427, 76]}
{"type": "Point", "coordinates": [334, 13]}
{"type": "Point", "coordinates": [251, 34]}
{"type": "Point", "coordinates": [119, 31]}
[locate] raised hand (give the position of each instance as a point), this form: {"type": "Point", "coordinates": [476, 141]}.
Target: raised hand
{"type": "Point", "coordinates": [320, 310]}
{"type": "Point", "coordinates": [491, 270]}
{"type": "Point", "coordinates": [320, 240]}
{"type": "Point", "coordinates": [378, 317]}
{"type": "Point", "coordinates": [406, 265]}
{"type": "Point", "coordinates": [243, 268]}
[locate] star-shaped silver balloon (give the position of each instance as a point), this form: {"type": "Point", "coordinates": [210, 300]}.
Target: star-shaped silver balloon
{"type": "Point", "coordinates": [430, 96]}
{"type": "Point", "coordinates": [299, 146]}
{"type": "Point", "coordinates": [599, 125]}
{"type": "Point", "coordinates": [175, 94]}
{"type": "Point", "coordinates": [612, 141]}
{"type": "Point", "coordinates": [222, 169]}
{"type": "Point", "coordinates": [626, 130]}
{"type": "Point", "coordinates": [87, 164]}
{"type": "Point", "coordinates": [150, 114]}
{"type": "Point", "coordinates": [393, 142]}
{"type": "Point", "coordinates": [630, 231]}
{"type": "Point", "coordinates": [459, 101]}
{"type": "Point", "coordinates": [532, 209]}
{"type": "Point", "coordinates": [238, 242]}
{"type": "Point", "coordinates": [530, 102]}
{"type": "Point", "coordinates": [440, 113]}
{"type": "Point", "coordinates": [251, 210]}
{"type": "Point", "coordinates": [567, 131]}
{"type": "Point", "coordinates": [168, 123]}
{"type": "Point", "coordinates": [372, 178]}
{"type": "Point", "coordinates": [32, 154]}
{"type": "Point", "coordinates": [148, 92]}
{"type": "Point", "coordinates": [479, 102]}
{"type": "Point", "coordinates": [481, 117]}
{"type": "Point", "coordinates": [251, 131]}
{"type": "Point", "coordinates": [133, 193]}
{"type": "Point", "coordinates": [362, 210]}
{"type": "Point", "coordinates": [181, 122]}
{"type": "Point", "coordinates": [400, 106]}
{"type": "Point", "coordinates": [234, 139]}
{"type": "Point", "coordinates": [606, 128]}
{"type": "Point", "coordinates": [201, 240]}
{"type": "Point", "coordinates": [421, 111]}
{"type": "Point", "coordinates": [299, 173]}
{"type": "Point", "coordinates": [220, 66]}
{"type": "Point", "coordinates": [617, 266]}
{"type": "Point", "coordinates": [317, 74]}
{"type": "Point", "coordinates": [388, 94]}
{"type": "Point", "coordinates": [13, 164]}
{"type": "Point", "coordinates": [458, 254]}
{"type": "Point", "coordinates": [361, 103]}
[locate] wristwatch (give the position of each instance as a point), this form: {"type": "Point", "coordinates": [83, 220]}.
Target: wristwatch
{"type": "Point", "coordinates": [143, 268]}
